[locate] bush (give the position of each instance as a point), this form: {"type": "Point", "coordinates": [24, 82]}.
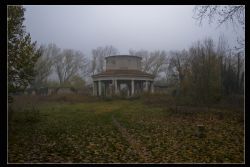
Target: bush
{"type": "Point", "coordinates": [158, 99]}
{"type": "Point", "coordinates": [233, 101]}
{"type": "Point", "coordinates": [71, 98]}
{"type": "Point", "coordinates": [107, 98]}
{"type": "Point", "coordinates": [135, 97]}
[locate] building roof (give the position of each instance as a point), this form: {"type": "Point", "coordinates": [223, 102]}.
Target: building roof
{"type": "Point", "coordinates": [123, 73]}
{"type": "Point", "coordinates": [123, 56]}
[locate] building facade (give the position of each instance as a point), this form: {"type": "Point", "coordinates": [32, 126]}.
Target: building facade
{"type": "Point", "coordinates": [123, 76]}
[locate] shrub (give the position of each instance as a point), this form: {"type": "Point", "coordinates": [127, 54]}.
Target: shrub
{"type": "Point", "coordinates": [135, 97]}
{"type": "Point", "coordinates": [107, 98]}
{"type": "Point", "coordinates": [158, 99]}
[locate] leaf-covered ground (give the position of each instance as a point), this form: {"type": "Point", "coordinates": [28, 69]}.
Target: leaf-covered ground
{"type": "Point", "coordinates": [124, 131]}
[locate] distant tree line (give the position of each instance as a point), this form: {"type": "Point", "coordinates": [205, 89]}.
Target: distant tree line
{"type": "Point", "coordinates": [205, 73]}
{"type": "Point", "coordinates": [68, 65]}
{"type": "Point", "coordinates": [71, 67]}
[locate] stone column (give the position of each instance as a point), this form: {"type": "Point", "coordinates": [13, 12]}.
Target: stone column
{"type": "Point", "coordinates": [146, 86]}
{"type": "Point", "coordinates": [132, 87]}
{"type": "Point", "coordinates": [99, 88]}
{"type": "Point", "coordinates": [152, 87]}
{"type": "Point", "coordinates": [93, 88]}
{"type": "Point", "coordinates": [128, 88]}
{"type": "Point", "coordinates": [115, 86]}
{"type": "Point", "coordinates": [105, 89]}
{"type": "Point", "coordinates": [96, 87]}
{"type": "Point", "coordinates": [141, 86]}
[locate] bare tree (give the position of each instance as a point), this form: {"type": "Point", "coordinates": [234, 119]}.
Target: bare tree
{"type": "Point", "coordinates": [179, 63]}
{"type": "Point", "coordinates": [147, 59]}
{"type": "Point", "coordinates": [234, 14]}
{"type": "Point", "coordinates": [93, 66]}
{"type": "Point", "coordinates": [158, 61]}
{"type": "Point", "coordinates": [44, 65]}
{"type": "Point", "coordinates": [224, 14]}
{"type": "Point", "coordinates": [83, 64]}
{"type": "Point", "coordinates": [68, 64]}
{"type": "Point", "coordinates": [110, 50]}
{"type": "Point", "coordinates": [223, 51]}
{"type": "Point", "coordinates": [167, 73]}
{"type": "Point", "coordinates": [98, 58]}
{"type": "Point", "coordinates": [152, 62]}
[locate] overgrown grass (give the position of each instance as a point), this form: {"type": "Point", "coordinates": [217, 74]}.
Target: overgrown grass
{"type": "Point", "coordinates": [80, 129]}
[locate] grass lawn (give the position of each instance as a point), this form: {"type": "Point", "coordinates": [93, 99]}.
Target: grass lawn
{"type": "Point", "coordinates": [122, 131]}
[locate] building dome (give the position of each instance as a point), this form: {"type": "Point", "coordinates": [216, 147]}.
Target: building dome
{"type": "Point", "coordinates": [123, 62]}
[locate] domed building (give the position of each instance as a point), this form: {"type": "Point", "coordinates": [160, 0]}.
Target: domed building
{"type": "Point", "coordinates": [123, 75]}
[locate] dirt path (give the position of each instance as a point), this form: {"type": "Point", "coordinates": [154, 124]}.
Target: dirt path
{"type": "Point", "coordinates": [139, 149]}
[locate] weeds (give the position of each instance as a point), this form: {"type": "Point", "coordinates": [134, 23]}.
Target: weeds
{"type": "Point", "coordinates": [32, 115]}
{"type": "Point", "coordinates": [83, 132]}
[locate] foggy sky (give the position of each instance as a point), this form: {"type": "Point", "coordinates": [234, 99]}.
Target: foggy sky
{"type": "Point", "coordinates": [85, 27]}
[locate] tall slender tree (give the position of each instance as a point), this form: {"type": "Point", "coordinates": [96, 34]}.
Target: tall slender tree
{"type": "Point", "coordinates": [22, 52]}
{"type": "Point", "coordinates": [98, 58]}
{"type": "Point", "coordinates": [44, 65]}
{"type": "Point", "coordinates": [68, 64]}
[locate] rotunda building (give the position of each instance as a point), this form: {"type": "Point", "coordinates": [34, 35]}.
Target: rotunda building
{"type": "Point", "coordinates": [123, 76]}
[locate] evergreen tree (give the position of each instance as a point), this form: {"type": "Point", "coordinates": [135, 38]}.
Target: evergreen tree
{"type": "Point", "coordinates": [22, 52]}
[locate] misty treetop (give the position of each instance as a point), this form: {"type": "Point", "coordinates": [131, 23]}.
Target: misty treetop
{"type": "Point", "coordinates": [67, 64]}
{"type": "Point", "coordinates": [98, 58]}
{"type": "Point", "coordinates": [205, 72]}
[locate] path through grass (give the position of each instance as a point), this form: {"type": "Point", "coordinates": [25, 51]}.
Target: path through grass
{"type": "Point", "coordinates": [124, 131]}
